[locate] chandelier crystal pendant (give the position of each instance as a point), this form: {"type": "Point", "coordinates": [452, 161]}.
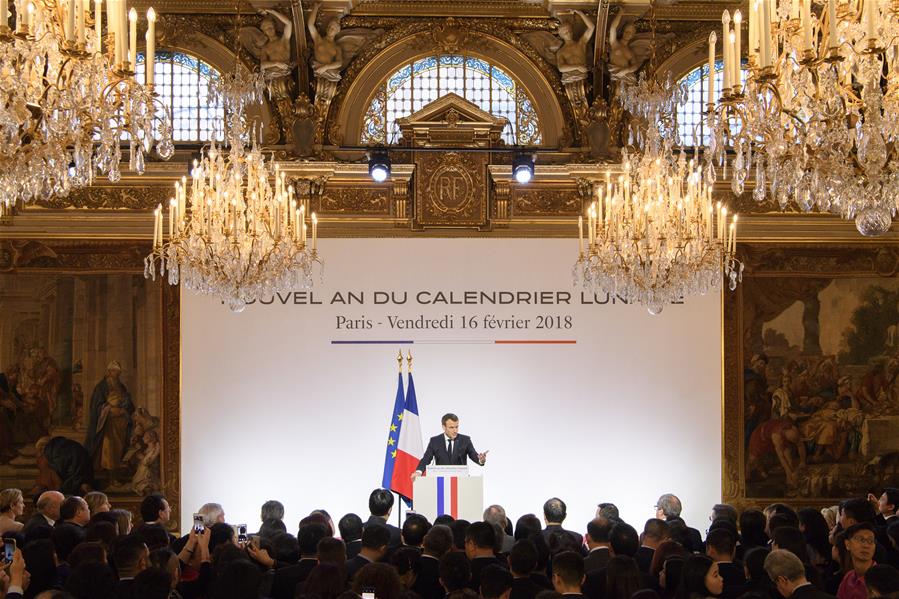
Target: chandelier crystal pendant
{"type": "Point", "coordinates": [818, 120]}
{"type": "Point", "coordinates": [232, 233]}
{"type": "Point", "coordinates": [69, 100]}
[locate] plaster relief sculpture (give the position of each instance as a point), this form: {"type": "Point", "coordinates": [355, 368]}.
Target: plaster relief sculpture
{"type": "Point", "coordinates": [334, 50]}
{"type": "Point", "coordinates": [627, 54]}
{"type": "Point", "coordinates": [270, 49]}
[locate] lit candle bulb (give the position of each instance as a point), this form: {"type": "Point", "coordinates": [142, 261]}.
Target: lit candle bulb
{"type": "Point", "coordinates": [132, 37]}
{"type": "Point", "coordinates": [580, 233]}
{"type": "Point", "coordinates": [150, 62]}
{"type": "Point", "coordinates": [98, 25]}
{"type": "Point", "coordinates": [834, 40]}
{"type": "Point", "coordinates": [726, 51]}
{"type": "Point", "coordinates": [713, 39]}
{"type": "Point", "coordinates": [738, 41]}
{"type": "Point", "coordinates": [314, 230]}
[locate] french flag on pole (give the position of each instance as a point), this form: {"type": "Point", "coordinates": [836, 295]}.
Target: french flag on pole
{"type": "Point", "coordinates": [409, 449]}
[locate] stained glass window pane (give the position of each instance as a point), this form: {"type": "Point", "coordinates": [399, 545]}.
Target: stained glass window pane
{"type": "Point", "coordinates": [419, 83]}
{"type": "Point", "coordinates": [182, 82]}
{"type": "Point", "coordinates": [691, 124]}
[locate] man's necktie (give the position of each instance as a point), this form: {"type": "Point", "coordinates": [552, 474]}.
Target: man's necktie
{"type": "Point", "coordinates": [449, 447]}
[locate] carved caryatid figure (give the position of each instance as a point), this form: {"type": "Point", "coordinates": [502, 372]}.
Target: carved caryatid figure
{"type": "Point", "coordinates": [334, 50]}
{"type": "Point", "coordinates": [627, 54]}
{"type": "Point", "coordinates": [270, 49]}
{"type": "Point", "coordinates": [568, 54]}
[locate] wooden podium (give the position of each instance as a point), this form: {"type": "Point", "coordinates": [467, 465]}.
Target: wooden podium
{"type": "Point", "coordinates": [449, 490]}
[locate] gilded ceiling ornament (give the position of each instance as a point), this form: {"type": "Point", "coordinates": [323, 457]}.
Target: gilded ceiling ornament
{"type": "Point", "coordinates": [627, 53]}
{"type": "Point", "coordinates": [334, 49]}
{"type": "Point", "coordinates": [270, 49]}
{"type": "Point", "coordinates": [567, 54]}
{"type": "Point", "coordinates": [450, 37]}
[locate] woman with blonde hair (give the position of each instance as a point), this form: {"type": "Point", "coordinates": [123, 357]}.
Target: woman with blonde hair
{"type": "Point", "coordinates": [12, 504]}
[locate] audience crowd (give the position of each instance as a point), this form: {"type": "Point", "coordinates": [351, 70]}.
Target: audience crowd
{"type": "Point", "coordinates": [82, 548]}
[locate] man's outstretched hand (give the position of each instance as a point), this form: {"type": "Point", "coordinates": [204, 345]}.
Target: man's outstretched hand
{"type": "Point", "coordinates": [482, 457]}
{"type": "Point", "coordinates": [415, 475]}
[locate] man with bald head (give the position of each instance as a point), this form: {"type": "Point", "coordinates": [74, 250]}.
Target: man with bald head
{"type": "Point", "coordinates": [46, 510]}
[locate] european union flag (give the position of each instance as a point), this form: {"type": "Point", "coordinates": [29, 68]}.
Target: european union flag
{"type": "Point", "coordinates": [393, 433]}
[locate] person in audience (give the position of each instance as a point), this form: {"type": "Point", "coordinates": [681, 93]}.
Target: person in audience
{"type": "Point", "coordinates": [332, 551]}
{"type": "Point", "coordinates": [326, 519]}
{"type": "Point", "coordinates": [554, 513]}
{"type": "Point", "coordinates": [380, 504]}
{"type": "Point", "coordinates": [74, 511]}
{"type": "Point", "coordinates": [381, 578]}
{"type": "Point", "coordinates": [17, 579]}
{"type": "Point", "coordinates": [882, 581]}
{"type": "Point", "coordinates": [752, 531]}
{"type": "Point", "coordinates": [213, 513]}
{"type": "Point", "coordinates": [831, 515]}
{"type": "Point", "coordinates": [414, 530]}
{"type": "Point", "coordinates": [459, 528]}
{"type": "Point", "coordinates": [622, 578]}
{"type": "Point", "coordinates": [325, 581]}
{"type": "Point", "coordinates": [97, 502]}
{"type": "Point", "coordinates": [350, 527]}
{"type": "Point", "coordinates": [665, 551]}
{"type": "Point", "coordinates": [607, 510]}
{"type": "Point", "coordinates": [724, 511]}
{"type": "Point", "coordinates": [155, 513]}
{"type": "Point", "coordinates": [887, 506]}
{"type": "Point", "coordinates": [757, 580]}
{"type": "Point", "coordinates": [670, 575]}
{"type": "Point", "coordinates": [496, 514]}
{"type": "Point", "coordinates": [522, 563]}
{"type": "Point", "coordinates": [792, 539]}
{"type": "Point", "coordinates": [375, 542]}
{"type": "Point", "coordinates": [271, 510]}
{"type": "Point", "coordinates": [168, 562]}
{"type": "Point", "coordinates": [669, 508]}
{"type": "Point", "coordinates": [437, 542]}
{"type": "Point", "coordinates": [721, 546]}
{"type": "Point", "coordinates": [130, 557]}
{"type": "Point", "coordinates": [239, 579]}
{"type": "Point", "coordinates": [454, 571]}
{"type": "Point", "coordinates": [407, 563]}
{"type": "Point", "coordinates": [856, 510]}
{"type": "Point", "coordinates": [568, 574]}
{"type": "Point", "coordinates": [699, 578]}
{"type": "Point", "coordinates": [12, 506]}
{"type": "Point", "coordinates": [787, 572]}
{"type": "Point", "coordinates": [123, 521]}
{"type": "Point", "coordinates": [599, 550]}
{"type": "Point", "coordinates": [153, 583]}
{"type": "Point", "coordinates": [92, 580]}
{"type": "Point", "coordinates": [286, 579]}
{"type": "Point", "coordinates": [655, 532]}
{"type": "Point", "coordinates": [480, 542]}
{"type": "Point", "coordinates": [860, 543]}
{"type": "Point", "coordinates": [817, 538]}
{"type": "Point", "coordinates": [101, 532]}
{"type": "Point", "coordinates": [624, 540]}
{"type": "Point", "coordinates": [496, 582]}
{"type": "Point", "coordinates": [42, 566]}
{"type": "Point", "coordinates": [88, 552]}
{"type": "Point", "coordinates": [46, 510]}
{"type": "Point", "coordinates": [444, 519]}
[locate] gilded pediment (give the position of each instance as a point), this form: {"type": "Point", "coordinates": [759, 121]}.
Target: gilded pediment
{"type": "Point", "coordinates": [453, 120]}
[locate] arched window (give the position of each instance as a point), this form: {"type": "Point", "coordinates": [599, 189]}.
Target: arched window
{"type": "Point", "coordinates": [422, 81]}
{"type": "Point", "coordinates": [183, 83]}
{"type": "Point", "coordinates": [691, 123]}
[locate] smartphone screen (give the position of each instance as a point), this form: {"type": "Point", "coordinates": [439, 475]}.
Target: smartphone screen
{"type": "Point", "coordinates": [368, 593]}
{"type": "Point", "coordinates": [241, 533]}
{"type": "Point", "coordinates": [198, 523]}
{"type": "Point", "coordinates": [9, 549]}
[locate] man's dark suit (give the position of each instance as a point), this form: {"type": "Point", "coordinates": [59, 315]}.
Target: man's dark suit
{"type": "Point", "coordinates": [352, 548]}
{"type": "Point", "coordinates": [36, 520]}
{"type": "Point", "coordinates": [427, 583]}
{"type": "Point", "coordinates": [125, 589]}
{"type": "Point", "coordinates": [396, 538]}
{"type": "Point", "coordinates": [734, 580]}
{"type": "Point", "coordinates": [462, 450]}
{"type": "Point", "coordinates": [286, 579]}
{"type": "Point", "coordinates": [594, 586]}
{"type": "Point", "coordinates": [597, 559]}
{"type": "Point", "coordinates": [525, 588]}
{"type": "Point", "coordinates": [477, 566]}
{"type": "Point", "coordinates": [575, 537]}
{"type": "Point", "coordinates": [644, 558]}
{"type": "Point", "coordinates": [693, 536]}
{"type": "Point", "coordinates": [353, 566]}
{"type": "Point", "coordinates": [810, 592]}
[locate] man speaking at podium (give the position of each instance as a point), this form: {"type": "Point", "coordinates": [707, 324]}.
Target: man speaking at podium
{"type": "Point", "coordinates": [450, 448]}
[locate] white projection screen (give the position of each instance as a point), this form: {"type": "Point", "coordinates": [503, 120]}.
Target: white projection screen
{"type": "Point", "coordinates": [272, 408]}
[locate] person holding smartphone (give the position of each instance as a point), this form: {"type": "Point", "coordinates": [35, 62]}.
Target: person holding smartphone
{"type": "Point", "coordinates": [18, 576]}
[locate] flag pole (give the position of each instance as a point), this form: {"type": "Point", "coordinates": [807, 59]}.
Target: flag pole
{"type": "Point", "coordinates": [409, 367]}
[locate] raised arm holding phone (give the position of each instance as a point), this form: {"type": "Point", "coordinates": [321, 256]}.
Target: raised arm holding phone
{"type": "Point", "coordinates": [449, 448]}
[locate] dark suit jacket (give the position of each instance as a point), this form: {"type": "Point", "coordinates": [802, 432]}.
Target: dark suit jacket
{"type": "Point", "coordinates": [695, 539]}
{"type": "Point", "coordinates": [595, 584]}
{"type": "Point", "coordinates": [125, 589]}
{"type": "Point", "coordinates": [644, 558]}
{"type": "Point", "coordinates": [352, 548]}
{"type": "Point", "coordinates": [36, 520]}
{"type": "Point", "coordinates": [477, 566]}
{"type": "Point", "coordinates": [576, 537]}
{"type": "Point", "coordinates": [734, 580]}
{"type": "Point", "coordinates": [462, 450]}
{"type": "Point", "coordinates": [286, 579]}
{"type": "Point", "coordinates": [810, 592]}
{"type": "Point", "coordinates": [352, 566]}
{"type": "Point", "coordinates": [396, 538]}
{"type": "Point", "coordinates": [597, 559]}
{"type": "Point", "coordinates": [427, 583]}
{"type": "Point", "coordinates": [524, 588]}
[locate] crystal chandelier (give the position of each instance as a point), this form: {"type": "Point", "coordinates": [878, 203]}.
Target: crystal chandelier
{"type": "Point", "coordinates": [66, 106]}
{"type": "Point", "coordinates": [654, 235]}
{"type": "Point", "coordinates": [818, 119]}
{"type": "Point", "coordinates": [232, 233]}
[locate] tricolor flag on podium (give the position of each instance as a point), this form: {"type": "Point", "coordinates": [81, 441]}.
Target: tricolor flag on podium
{"type": "Point", "coordinates": [409, 449]}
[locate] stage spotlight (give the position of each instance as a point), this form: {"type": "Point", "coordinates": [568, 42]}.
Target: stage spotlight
{"type": "Point", "coordinates": [379, 165]}
{"type": "Point", "coordinates": [523, 168]}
